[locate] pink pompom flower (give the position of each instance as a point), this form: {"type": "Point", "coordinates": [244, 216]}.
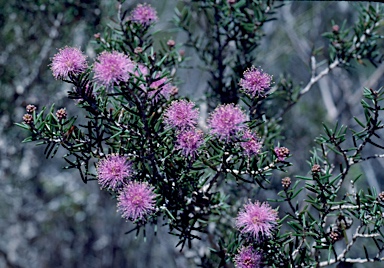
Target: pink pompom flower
{"type": "Point", "coordinates": [257, 219]}
{"type": "Point", "coordinates": [247, 258]}
{"type": "Point", "coordinates": [113, 170]}
{"type": "Point", "coordinates": [69, 60]}
{"type": "Point", "coordinates": [251, 144]}
{"type": "Point", "coordinates": [255, 82]}
{"type": "Point", "coordinates": [189, 141]}
{"type": "Point", "coordinates": [226, 120]}
{"type": "Point", "coordinates": [160, 87]}
{"type": "Point", "coordinates": [181, 114]}
{"type": "Point", "coordinates": [144, 14]}
{"type": "Point", "coordinates": [112, 67]}
{"type": "Point", "coordinates": [136, 200]}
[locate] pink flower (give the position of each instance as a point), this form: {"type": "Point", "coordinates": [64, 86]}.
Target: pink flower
{"type": "Point", "coordinates": [144, 14]}
{"type": "Point", "coordinates": [112, 170]}
{"type": "Point", "coordinates": [189, 141]}
{"type": "Point", "coordinates": [136, 200]}
{"type": "Point", "coordinates": [181, 114]}
{"type": "Point", "coordinates": [226, 120]}
{"type": "Point", "coordinates": [68, 60]}
{"type": "Point", "coordinates": [112, 67]}
{"type": "Point", "coordinates": [160, 87]}
{"type": "Point", "coordinates": [251, 145]}
{"type": "Point", "coordinates": [257, 219]}
{"type": "Point", "coordinates": [281, 153]}
{"type": "Point", "coordinates": [255, 82]}
{"type": "Point", "coordinates": [247, 258]}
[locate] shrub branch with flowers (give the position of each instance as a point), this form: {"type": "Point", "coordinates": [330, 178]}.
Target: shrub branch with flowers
{"type": "Point", "coordinates": [143, 145]}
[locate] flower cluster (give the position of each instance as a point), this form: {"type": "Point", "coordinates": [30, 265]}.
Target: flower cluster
{"type": "Point", "coordinates": [113, 170]}
{"type": "Point", "coordinates": [257, 219]}
{"type": "Point", "coordinates": [136, 200]}
{"type": "Point", "coordinates": [112, 67]}
{"type": "Point", "coordinates": [251, 144]}
{"type": "Point", "coordinates": [181, 115]}
{"type": "Point", "coordinates": [69, 61]}
{"type": "Point", "coordinates": [189, 141]}
{"type": "Point", "coordinates": [247, 258]}
{"type": "Point", "coordinates": [144, 14]}
{"type": "Point", "coordinates": [226, 120]}
{"type": "Point", "coordinates": [255, 82]}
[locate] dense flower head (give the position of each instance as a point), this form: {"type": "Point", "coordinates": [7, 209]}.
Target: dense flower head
{"type": "Point", "coordinates": [160, 87]}
{"type": "Point", "coordinates": [189, 141]}
{"type": "Point", "coordinates": [181, 114]}
{"type": "Point", "coordinates": [256, 219]}
{"type": "Point", "coordinates": [247, 257]}
{"type": "Point", "coordinates": [226, 120]}
{"type": "Point", "coordinates": [144, 14]}
{"type": "Point", "coordinates": [112, 67]}
{"type": "Point", "coordinates": [69, 60]}
{"type": "Point", "coordinates": [255, 82]}
{"type": "Point", "coordinates": [281, 153]}
{"type": "Point", "coordinates": [251, 144]}
{"type": "Point", "coordinates": [112, 170]}
{"type": "Point", "coordinates": [136, 200]}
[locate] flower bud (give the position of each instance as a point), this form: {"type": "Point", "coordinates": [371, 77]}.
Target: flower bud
{"type": "Point", "coordinates": [286, 182]}
{"type": "Point", "coordinates": [61, 114]}
{"type": "Point", "coordinates": [30, 108]}
{"type": "Point", "coordinates": [28, 119]}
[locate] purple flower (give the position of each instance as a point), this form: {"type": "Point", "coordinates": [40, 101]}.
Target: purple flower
{"type": "Point", "coordinates": [136, 200]}
{"type": "Point", "coordinates": [160, 87]}
{"type": "Point", "coordinates": [247, 258]}
{"type": "Point", "coordinates": [112, 170]}
{"type": "Point", "coordinates": [281, 153]}
{"type": "Point", "coordinates": [68, 60]}
{"type": "Point", "coordinates": [251, 145]}
{"type": "Point", "coordinates": [144, 14]}
{"type": "Point", "coordinates": [181, 114]}
{"type": "Point", "coordinates": [112, 67]}
{"type": "Point", "coordinates": [256, 219]}
{"type": "Point", "coordinates": [255, 82]}
{"type": "Point", "coordinates": [189, 141]}
{"type": "Point", "coordinates": [226, 120]}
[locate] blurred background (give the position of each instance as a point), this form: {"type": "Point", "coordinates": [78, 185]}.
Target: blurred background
{"type": "Point", "coordinates": [48, 216]}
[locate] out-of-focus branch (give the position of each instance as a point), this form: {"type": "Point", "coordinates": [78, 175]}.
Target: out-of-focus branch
{"type": "Point", "coordinates": [52, 35]}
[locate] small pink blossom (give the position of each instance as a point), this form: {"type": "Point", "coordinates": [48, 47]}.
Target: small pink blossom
{"type": "Point", "coordinates": [113, 170]}
{"type": "Point", "coordinates": [112, 67]}
{"type": "Point", "coordinates": [144, 14]}
{"type": "Point", "coordinates": [247, 258]}
{"type": "Point", "coordinates": [251, 145]}
{"type": "Point", "coordinates": [181, 114]}
{"type": "Point", "coordinates": [255, 82]}
{"type": "Point", "coordinates": [160, 87]}
{"type": "Point", "coordinates": [281, 153]}
{"type": "Point", "coordinates": [136, 200]}
{"type": "Point", "coordinates": [189, 141]}
{"type": "Point", "coordinates": [68, 60]}
{"type": "Point", "coordinates": [226, 120]}
{"type": "Point", "coordinates": [257, 219]}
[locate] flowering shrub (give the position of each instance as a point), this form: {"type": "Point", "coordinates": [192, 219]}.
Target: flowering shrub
{"type": "Point", "coordinates": [143, 144]}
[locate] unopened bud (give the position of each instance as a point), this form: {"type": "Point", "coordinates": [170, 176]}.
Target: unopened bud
{"type": "Point", "coordinates": [30, 108]}
{"type": "Point", "coordinates": [171, 43]}
{"type": "Point", "coordinates": [61, 114]}
{"type": "Point", "coordinates": [335, 28]}
{"type": "Point", "coordinates": [335, 236]}
{"type": "Point", "coordinates": [138, 50]}
{"type": "Point", "coordinates": [28, 119]}
{"type": "Point", "coordinates": [316, 169]}
{"type": "Point", "coordinates": [286, 182]}
{"type": "Point", "coordinates": [381, 196]}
